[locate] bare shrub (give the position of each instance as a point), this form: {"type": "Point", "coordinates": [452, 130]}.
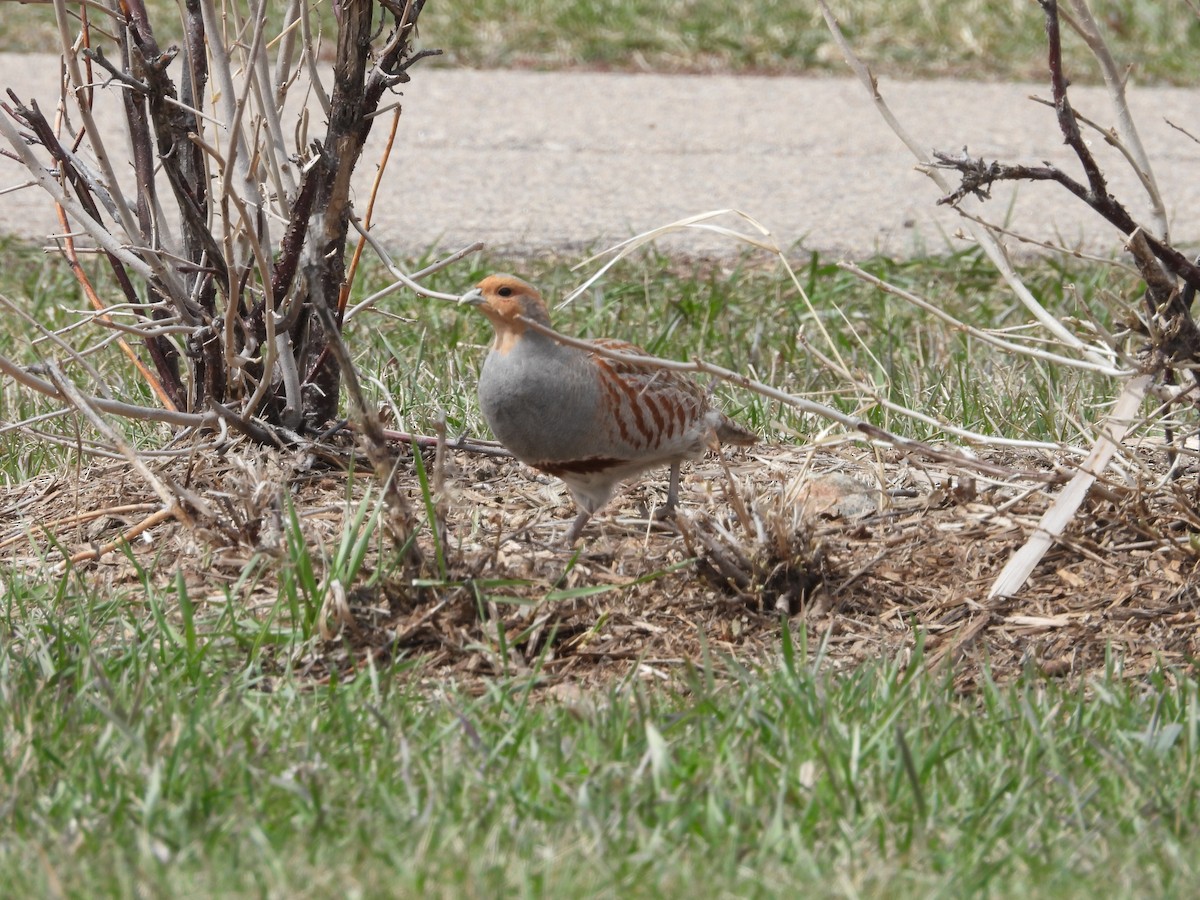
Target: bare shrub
{"type": "Point", "coordinates": [229, 244]}
{"type": "Point", "coordinates": [1157, 356]}
{"type": "Point", "coordinates": [225, 219]}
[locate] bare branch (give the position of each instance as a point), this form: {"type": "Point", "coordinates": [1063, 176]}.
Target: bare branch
{"type": "Point", "coordinates": [978, 176]}
{"type": "Point", "coordinates": [1085, 25]}
{"type": "Point", "coordinates": [994, 249]}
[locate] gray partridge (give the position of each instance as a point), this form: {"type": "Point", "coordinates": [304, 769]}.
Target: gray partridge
{"type": "Point", "coordinates": [587, 419]}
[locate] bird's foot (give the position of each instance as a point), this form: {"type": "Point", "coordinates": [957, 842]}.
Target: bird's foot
{"type": "Point", "coordinates": [576, 528]}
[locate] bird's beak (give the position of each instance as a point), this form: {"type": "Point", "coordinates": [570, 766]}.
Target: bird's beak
{"type": "Point", "coordinates": [473, 297]}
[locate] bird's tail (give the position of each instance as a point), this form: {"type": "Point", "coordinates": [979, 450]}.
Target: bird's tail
{"type": "Point", "coordinates": [730, 432]}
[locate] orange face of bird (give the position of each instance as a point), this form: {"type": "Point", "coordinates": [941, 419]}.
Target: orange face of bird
{"type": "Point", "coordinates": [503, 299]}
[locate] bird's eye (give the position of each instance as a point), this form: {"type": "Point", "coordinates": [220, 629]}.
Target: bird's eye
{"type": "Point", "coordinates": [505, 292]}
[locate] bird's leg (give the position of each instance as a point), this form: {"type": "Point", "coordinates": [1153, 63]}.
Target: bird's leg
{"type": "Point", "coordinates": [667, 510]}
{"type": "Point", "coordinates": [577, 527]}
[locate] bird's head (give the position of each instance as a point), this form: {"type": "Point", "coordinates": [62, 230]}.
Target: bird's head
{"type": "Point", "coordinates": [503, 299]}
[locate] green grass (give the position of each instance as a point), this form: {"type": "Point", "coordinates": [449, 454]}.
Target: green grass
{"type": "Point", "coordinates": [159, 742]}
{"type": "Point", "coordinates": [978, 38]}
{"type": "Point", "coordinates": [745, 316]}
{"type": "Point", "coordinates": [140, 761]}
{"type": "Point", "coordinates": [975, 38]}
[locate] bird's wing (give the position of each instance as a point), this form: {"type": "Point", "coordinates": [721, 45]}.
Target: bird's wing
{"type": "Point", "coordinates": [658, 386]}
{"type": "Point", "coordinates": [653, 408]}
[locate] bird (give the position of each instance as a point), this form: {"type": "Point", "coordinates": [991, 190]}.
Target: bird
{"type": "Point", "coordinates": [591, 420]}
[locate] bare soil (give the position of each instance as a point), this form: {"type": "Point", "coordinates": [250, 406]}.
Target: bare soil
{"type": "Point", "coordinates": [868, 550]}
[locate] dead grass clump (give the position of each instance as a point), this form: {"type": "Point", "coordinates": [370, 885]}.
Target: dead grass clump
{"type": "Point", "coordinates": [781, 566]}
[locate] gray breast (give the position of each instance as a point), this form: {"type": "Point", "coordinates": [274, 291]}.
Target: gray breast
{"type": "Point", "coordinates": [540, 402]}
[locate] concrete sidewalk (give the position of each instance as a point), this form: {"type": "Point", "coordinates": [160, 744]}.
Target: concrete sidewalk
{"type": "Point", "coordinates": [532, 161]}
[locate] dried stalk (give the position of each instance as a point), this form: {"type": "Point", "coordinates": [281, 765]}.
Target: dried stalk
{"type": "Point", "coordinates": [402, 521]}
{"type": "Point", "coordinates": [763, 240]}
{"type": "Point", "coordinates": [980, 334]}
{"type": "Point", "coordinates": [93, 553]}
{"type": "Point", "coordinates": [1022, 563]}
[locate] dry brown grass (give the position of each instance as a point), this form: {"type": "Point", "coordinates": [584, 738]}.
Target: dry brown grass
{"type": "Point", "coordinates": [869, 550]}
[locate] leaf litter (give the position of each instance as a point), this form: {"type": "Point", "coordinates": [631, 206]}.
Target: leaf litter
{"type": "Point", "coordinates": [867, 550]}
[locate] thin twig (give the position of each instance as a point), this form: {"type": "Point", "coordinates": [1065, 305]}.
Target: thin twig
{"type": "Point", "coordinates": [126, 537]}
{"type": "Point", "coordinates": [92, 414]}
{"type": "Point", "coordinates": [85, 283]}
{"type": "Point", "coordinates": [112, 407]}
{"type": "Point", "coordinates": [404, 280]}
{"type": "Point", "coordinates": [380, 169]}
{"type": "Point", "coordinates": [872, 432]}
{"type": "Point", "coordinates": [402, 521]}
{"type": "Point", "coordinates": [436, 442]}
